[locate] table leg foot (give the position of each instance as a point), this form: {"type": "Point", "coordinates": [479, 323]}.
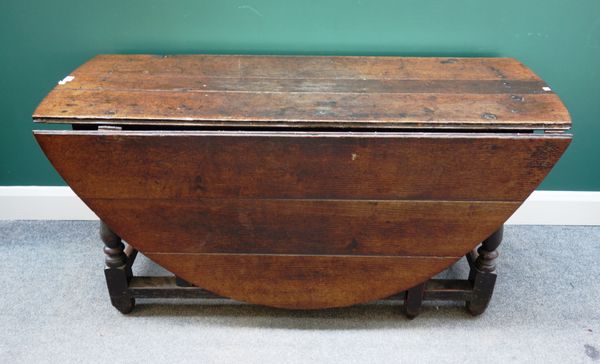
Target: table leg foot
{"type": "Point", "coordinates": [413, 301]}
{"type": "Point", "coordinates": [483, 273]}
{"type": "Point", "coordinates": [124, 304]}
{"type": "Point", "coordinates": [117, 271]}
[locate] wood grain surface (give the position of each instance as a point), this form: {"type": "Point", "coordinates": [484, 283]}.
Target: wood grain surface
{"type": "Point", "coordinates": [315, 92]}
{"type": "Point", "coordinates": [319, 227]}
{"type": "Point", "coordinates": [302, 219]}
{"type": "Point", "coordinates": [302, 165]}
{"type": "Point", "coordinates": [313, 218]}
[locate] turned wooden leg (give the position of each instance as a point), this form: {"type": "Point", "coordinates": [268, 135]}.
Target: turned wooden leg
{"type": "Point", "coordinates": [117, 271]}
{"type": "Point", "coordinates": [413, 301]}
{"type": "Point", "coordinates": [483, 273]}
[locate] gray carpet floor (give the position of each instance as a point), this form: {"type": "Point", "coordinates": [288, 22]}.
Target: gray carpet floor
{"type": "Point", "coordinates": [54, 309]}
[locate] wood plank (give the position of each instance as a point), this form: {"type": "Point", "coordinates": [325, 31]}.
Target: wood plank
{"type": "Point", "coordinates": [341, 108]}
{"type": "Point", "coordinates": [365, 166]}
{"type": "Point", "coordinates": [302, 282]}
{"type": "Point", "coordinates": [191, 83]}
{"type": "Point", "coordinates": [316, 92]}
{"type": "Point", "coordinates": [319, 227]}
{"type": "Point", "coordinates": [302, 67]}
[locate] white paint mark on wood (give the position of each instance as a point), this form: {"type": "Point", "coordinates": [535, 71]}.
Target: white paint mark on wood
{"type": "Point", "coordinates": [66, 79]}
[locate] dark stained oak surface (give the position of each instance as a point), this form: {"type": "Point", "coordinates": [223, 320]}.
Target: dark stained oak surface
{"type": "Point", "coordinates": [333, 180]}
{"type": "Point", "coordinates": [321, 227]}
{"type": "Point", "coordinates": [302, 219]}
{"type": "Point", "coordinates": [302, 165]}
{"type": "Point", "coordinates": [302, 91]}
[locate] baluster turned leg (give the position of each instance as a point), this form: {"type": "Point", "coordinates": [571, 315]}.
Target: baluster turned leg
{"type": "Point", "coordinates": [117, 271]}
{"type": "Point", "coordinates": [483, 273]}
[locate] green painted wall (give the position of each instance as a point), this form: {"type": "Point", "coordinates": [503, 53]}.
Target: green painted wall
{"type": "Point", "coordinates": [42, 41]}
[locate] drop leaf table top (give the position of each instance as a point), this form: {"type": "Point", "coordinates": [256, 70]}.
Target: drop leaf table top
{"type": "Point", "coordinates": [303, 181]}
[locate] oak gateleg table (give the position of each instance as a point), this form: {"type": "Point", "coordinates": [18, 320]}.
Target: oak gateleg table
{"type": "Point", "coordinates": [303, 182]}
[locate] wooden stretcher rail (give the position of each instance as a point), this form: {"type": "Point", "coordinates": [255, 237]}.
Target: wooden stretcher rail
{"type": "Point", "coordinates": [166, 287]}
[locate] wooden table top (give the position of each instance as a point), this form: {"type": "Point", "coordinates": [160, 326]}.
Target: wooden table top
{"type": "Point", "coordinates": [305, 92]}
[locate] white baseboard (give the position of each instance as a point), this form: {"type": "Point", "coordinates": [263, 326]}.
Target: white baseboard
{"type": "Point", "coordinates": [42, 203]}
{"type": "Point", "coordinates": [559, 208]}
{"type": "Point", "coordinates": [60, 203]}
